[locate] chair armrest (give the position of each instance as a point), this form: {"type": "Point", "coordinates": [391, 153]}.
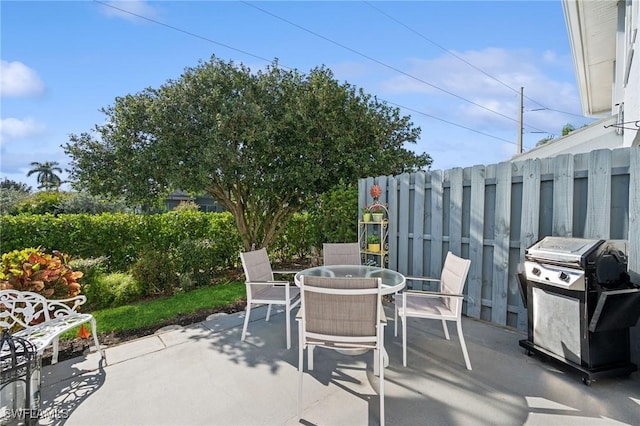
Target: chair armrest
{"type": "Point", "coordinates": [431, 293]}
{"type": "Point", "coordinates": [286, 272]}
{"type": "Point", "coordinates": [410, 278]}
{"type": "Point", "coordinates": [269, 283]}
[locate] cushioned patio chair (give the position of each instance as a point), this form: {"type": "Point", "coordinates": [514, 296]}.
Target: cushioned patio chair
{"type": "Point", "coordinates": [263, 289]}
{"type": "Point", "coordinates": [444, 305]}
{"type": "Point", "coordinates": [341, 253]}
{"type": "Point", "coordinates": [339, 314]}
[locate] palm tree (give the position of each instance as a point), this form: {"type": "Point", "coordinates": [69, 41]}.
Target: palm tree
{"type": "Point", "coordinates": [47, 178]}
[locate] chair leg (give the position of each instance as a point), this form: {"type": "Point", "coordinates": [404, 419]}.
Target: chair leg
{"type": "Point", "coordinates": [381, 369]}
{"type": "Point", "coordinates": [446, 329]}
{"type": "Point", "coordinates": [288, 322]}
{"type": "Point", "coordinates": [376, 362]}
{"type": "Point", "coordinates": [395, 317]}
{"type": "Point", "coordinates": [300, 370]}
{"type": "Point", "coordinates": [268, 312]}
{"type": "Point", "coordinates": [246, 321]}
{"type": "Point", "coordinates": [463, 344]}
{"type": "Point", "coordinates": [310, 349]}
{"type": "Point", "coordinates": [403, 319]}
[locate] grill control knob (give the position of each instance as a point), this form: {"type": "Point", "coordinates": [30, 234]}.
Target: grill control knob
{"type": "Point", "coordinates": [536, 272]}
{"type": "Point", "coordinates": [564, 276]}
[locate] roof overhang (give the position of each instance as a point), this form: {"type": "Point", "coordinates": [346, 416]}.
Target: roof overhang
{"type": "Point", "coordinates": [592, 27]}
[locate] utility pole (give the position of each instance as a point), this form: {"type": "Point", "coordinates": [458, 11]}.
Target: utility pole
{"type": "Point", "coordinates": [520, 127]}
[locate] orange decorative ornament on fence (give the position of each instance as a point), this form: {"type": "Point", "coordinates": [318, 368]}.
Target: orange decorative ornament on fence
{"type": "Point", "coordinates": [375, 192]}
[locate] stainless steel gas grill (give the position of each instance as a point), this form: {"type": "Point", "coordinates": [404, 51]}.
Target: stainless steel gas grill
{"type": "Point", "coordinates": [580, 305]}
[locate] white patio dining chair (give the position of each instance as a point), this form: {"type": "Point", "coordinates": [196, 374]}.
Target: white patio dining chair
{"type": "Point", "coordinates": [263, 289]}
{"type": "Point", "coordinates": [341, 313]}
{"type": "Point", "coordinates": [444, 305]}
{"type": "Point", "coordinates": [341, 253]}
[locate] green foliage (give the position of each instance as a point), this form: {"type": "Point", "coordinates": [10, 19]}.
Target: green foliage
{"type": "Point", "coordinates": [46, 175]}
{"type": "Point", "coordinates": [567, 128]}
{"type": "Point", "coordinates": [111, 290]}
{"type": "Point", "coordinates": [82, 202]}
{"type": "Point", "coordinates": [196, 262]}
{"type": "Point", "coordinates": [544, 140]}
{"type": "Point", "coordinates": [155, 270]}
{"type": "Point", "coordinates": [15, 186]}
{"type": "Point", "coordinates": [187, 206]}
{"type": "Point", "coordinates": [121, 237]}
{"type": "Point", "coordinates": [373, 239]}
{"type": "Point", "coordinates": [335, 217]}
{"type": "Point", "coordinates": [32, 269]}
{"type": "Point", "coordinates": [296, 241]}
{"type": "Point", "coordinates": [91, 269]}
{"type": "Point", "coordinates": [10, 199]}
{"type": "Point", "coordinates": [262, 144]}
{"type": "Point", "coordinates": [41, 203]}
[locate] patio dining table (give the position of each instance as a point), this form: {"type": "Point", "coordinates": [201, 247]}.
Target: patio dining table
{"type": "Point", "coordinates": [392, 281]}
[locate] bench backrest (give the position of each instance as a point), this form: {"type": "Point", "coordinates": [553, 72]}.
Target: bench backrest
{"type": "Point", "coordinates": [22, 309]}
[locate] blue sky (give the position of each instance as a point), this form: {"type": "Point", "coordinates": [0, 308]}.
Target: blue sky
{"type": "Point", "coordinates": [455, 67]}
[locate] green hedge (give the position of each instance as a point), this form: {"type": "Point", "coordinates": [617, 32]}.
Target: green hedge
{"type": "Point", "coordinates": [124, 237]}
{"type": "Point", "coordinates": [121, 237]}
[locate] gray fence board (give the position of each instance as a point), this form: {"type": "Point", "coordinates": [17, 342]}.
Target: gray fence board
{"type": "Point", "coordinates": [493, 213]}
{"type": "Point", "coordinates": [599, 184]}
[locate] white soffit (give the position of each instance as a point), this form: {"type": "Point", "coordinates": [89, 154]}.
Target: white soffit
{"type": "Point", "coordinates": [592, 26]}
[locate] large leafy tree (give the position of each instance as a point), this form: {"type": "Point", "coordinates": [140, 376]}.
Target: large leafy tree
{"type": "Point", "coordinates": [46, 175]}
{"type": "Point", "coordinates": [263, 144]}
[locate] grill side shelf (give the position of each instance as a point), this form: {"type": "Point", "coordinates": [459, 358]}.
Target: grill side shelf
{"type": "Point", "coordinates": [616, 309]}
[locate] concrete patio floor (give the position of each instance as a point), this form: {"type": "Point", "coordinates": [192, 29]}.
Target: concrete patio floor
{"type": "Point", "coordinates": [204, 375]}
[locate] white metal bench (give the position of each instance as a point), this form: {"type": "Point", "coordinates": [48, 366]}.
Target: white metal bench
{"type": "Point", "coordinates": [41, 321]}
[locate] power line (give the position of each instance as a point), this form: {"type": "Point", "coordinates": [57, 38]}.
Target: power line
{"type": "Point", "coordinates": [189, 33]}
{"type": "Point", "coordinates": [450, 122]}
{"type": "Point", "coordinates": [419, 34]}
{"type": "Point", "coordinates": [380, 62]}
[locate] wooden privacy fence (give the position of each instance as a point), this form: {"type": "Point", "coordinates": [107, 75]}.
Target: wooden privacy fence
{"type": "Point", "coordinates": [491, 214]}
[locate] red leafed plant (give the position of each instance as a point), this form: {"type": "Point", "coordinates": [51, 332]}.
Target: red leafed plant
{"type": "Point", "coordinates": [34, 270]}
{"type": "Point", "coordinates": [375, 191]}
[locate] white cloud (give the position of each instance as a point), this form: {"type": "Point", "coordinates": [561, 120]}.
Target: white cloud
{"type": "Point", "coordinates": [17, 79]}
{"type": "Point", "coordinates": [14, 128]}
{"type": "Point", "coordinates": [129, 9]}
{"type": "Point", "coordinates": [459, 88]}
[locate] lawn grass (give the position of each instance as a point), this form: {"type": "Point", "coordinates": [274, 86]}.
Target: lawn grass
{"type": "Point", "coordinates": [153, 312]}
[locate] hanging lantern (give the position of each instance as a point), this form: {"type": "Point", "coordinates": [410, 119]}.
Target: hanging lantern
{"type": "Point", "coordinates": [20, 368]}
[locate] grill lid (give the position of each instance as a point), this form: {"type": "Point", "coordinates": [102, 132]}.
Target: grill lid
{"type": "Point", "coordinates": [563, 249]}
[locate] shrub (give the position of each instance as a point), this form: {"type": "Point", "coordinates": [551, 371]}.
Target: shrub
{"type": "Point", "coordinates": [82, 202]}
{"type": "Point", "coordinates": [335, 217]}
{"type": "Point", "coordinates": [32, 269]}
{"type": "Point", "coordinates": [91, 269]}
{"type": "Point", "coordinates": [42, 202]}
{"type": "Point", "coordinates": [297, 239]}
{"type": "Point", "coordinates": [196, 262]}
{"type": "Point", "coordinates": [10, 199]}
{"type": "Point", "coordinates": [121, 236]}
{"type": "Point", "coordinates": [156, 272]}
{"type": "Point", "coordinates": [190, 206]}
{"type": "Point", "coordinates": [112, 290]}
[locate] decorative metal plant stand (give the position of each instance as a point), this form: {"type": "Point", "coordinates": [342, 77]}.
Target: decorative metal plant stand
{"type": "Point", "coordinates": [20, 367]}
